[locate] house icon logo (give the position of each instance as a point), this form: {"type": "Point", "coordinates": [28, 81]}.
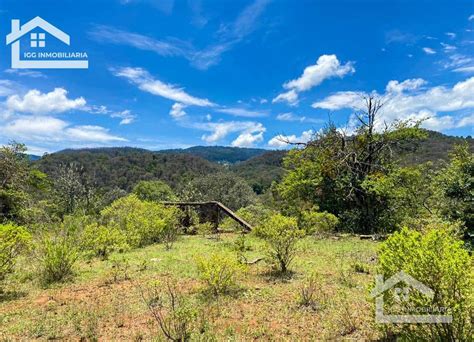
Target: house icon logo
{"type": "Point", "coordinates": [36, 58]}
{"type": "Point", "coordinates": [402, 294]}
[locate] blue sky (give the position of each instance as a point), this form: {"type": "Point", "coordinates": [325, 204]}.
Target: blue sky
{"type": "Point", "coordinates": [166, 74]}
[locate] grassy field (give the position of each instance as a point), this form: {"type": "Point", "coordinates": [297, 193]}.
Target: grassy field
{"type": "Point", "coordinates": [104, 299]}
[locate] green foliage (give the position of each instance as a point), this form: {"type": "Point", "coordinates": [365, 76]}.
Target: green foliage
{"type": "Point", "coordinates": [336, 173]}
{"type": "Point", "coordinates": [170, 232]}
{"type": "Point", "coordinates": [219, 271]}
{"type": "Point", "coordinates": [142, 222]}
{"type": "Point", "coordinates": [100, 241]}
{"type": "Point", "coordinates": [314, 222]}
{"type": "Point", "coordinates": [224, 187]}
{"type": "Point", "coordinates": [57, 253]}
{"type": "Point", "coordinates": [156, 191]}
{"type": "Point", "coordinates": [311, 293]}
{"type": "Point", "coordinates": [456, 182]}
{"type": "Point", "coordinates": [437, 259]}
{"type": "Point", "coordinates": [13, 240]}
{"type": "Point", "coordinates": [281, 235]}
{"type": "Point", "coordinates": [173, 311]}
{"type": "Point", "coordinates": [253, 214]}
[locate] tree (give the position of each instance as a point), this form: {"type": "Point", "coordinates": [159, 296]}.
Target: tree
{"type": "Point", "coordinates": [456, 182]}
{"type": "Point", "coordinates": [330, 170]}
{"type": "Point", "coordinates": [232, 191]}
{"type": "Point", "coordinates": [281, 235]}
{"type": "Point", "coordinates": [157, 191]}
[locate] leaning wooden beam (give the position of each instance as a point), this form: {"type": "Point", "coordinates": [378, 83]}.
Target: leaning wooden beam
{"type": "Point", "coordinates": [247, 227]}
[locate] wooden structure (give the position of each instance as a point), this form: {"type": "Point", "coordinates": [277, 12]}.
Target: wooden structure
{"type": "Point", "coordinates": [211, 211]}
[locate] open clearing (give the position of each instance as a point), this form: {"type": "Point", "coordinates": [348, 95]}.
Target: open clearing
{"type": "Point", "coordinates": [104, 302]}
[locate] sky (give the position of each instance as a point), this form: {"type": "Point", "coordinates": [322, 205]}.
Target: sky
{"type": "Point", "coordinates": [173, 74]}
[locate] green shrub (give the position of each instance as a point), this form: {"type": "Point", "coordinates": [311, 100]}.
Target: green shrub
{"type": "Point", "coordinates": [254, 215]}
{"type": "Point", "coordinates": [219, 271]}
{"type": "Point", "coordinates": [154, 191]}
{"type": "Point", "coordinates": [170, 232]}
{"type": "Point", "coordinates": [435, 258]}
{"type": "Point", "coordinates": [173, 312]}
{"type": "Point", "coordinates": [318, 223]}
{"type": "Point", "coordinates": [281, 235]}
{"type": "Point", "coordinates": [57, 254]}
{"type": "Point", "coordinates": [13, 239]}
{"type": "Point", "coordinates": [142, 222]}
{"type": "Point", "coordinates": [100, 241]}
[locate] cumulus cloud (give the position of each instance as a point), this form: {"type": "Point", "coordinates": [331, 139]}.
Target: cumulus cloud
{"type": "Point", "coordinates": [51, 129]}
{"type": "Point", "coordinates": [177, 110]}
{"type": "Point", "coordinates": [281, 141]}
{"type": "Point", "coordinates": [126, 116]}
{"type": "Point", "coordinates": [410, 84]}
{"type": "Point", "coordinates": [144, 81]}
{"type": "Point", "coordinates": [36, 102]}
{"type": "Point", "coordinates": [249, 132]}
{"type": "Point", "coordinates": [326, 67]}
{"type": "Point", "coordinates": [413, 103]}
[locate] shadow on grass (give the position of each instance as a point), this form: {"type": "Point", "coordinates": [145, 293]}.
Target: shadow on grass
{"type": "Point", "coordinates": [274, 275]}
{"type": "Point", "coordinates": [7, 296]}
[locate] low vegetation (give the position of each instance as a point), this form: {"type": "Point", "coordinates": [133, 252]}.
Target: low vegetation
{"type": "Point", "coordinates": [91, 250]}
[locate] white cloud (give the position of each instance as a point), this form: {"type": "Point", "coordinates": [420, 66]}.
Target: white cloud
{"type": "Point", "coordinates": [146, 82]}
{"type": "Point", "coordinates": [471, 17]}
{"type": "Point", "coordinates": [7, 88]}
{"type": "Point", "coordinates": [343, 99]}
{"type": "Point", "coordinates": [26, 72]}
{"type": "Point", "coordinates": [410, 84]}
{"type": "Point", "coordinates": [36, 102]}
{"type": "Point", "coordinates": [47, 129]}
{"type": "Point", "coordinates": [126, 115]}
{"type": "Point", "coordinates": [429, 51]}
{"type": "Point", "coordinates": [414, 104]}
{"type": "Point", "coordinates": [290, 96]}
{"type": "Point", "coordinates": [242, 112]}
{"type": "Point", "coordinates": [280, 140]}
{"type": "Point", "coordinates": [468, 69]}
{"type": "Point", "coordinates": [177, 110]}
{"type": "Point", "coordinates": [262, 101]}
{"type": "Point", "coordinates": [228, 36]}
{"type": "Point", "coordinates": [248, 139]}
{"type": "Point", "coordinates": [451, 35]}
{"type": "Point", "coordinates": [293, 117]}
{"type": "Point", "coordinates": [326, 67]}
{"type": "Point", "coordinates": [249, 131]}
{"type": "Point", "coordinates": [448, 47]}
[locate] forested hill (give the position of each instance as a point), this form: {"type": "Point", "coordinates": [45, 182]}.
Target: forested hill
{"type": "Point", "coordinates": [220, 154]}
{"type": "Point", "coordinates": [123, 167]}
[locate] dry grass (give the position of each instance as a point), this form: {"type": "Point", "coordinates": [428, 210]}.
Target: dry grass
{"type": "Point", "coordinates": [103, 302]}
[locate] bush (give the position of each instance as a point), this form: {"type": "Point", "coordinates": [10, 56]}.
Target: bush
{"type": "Point", "coordinates": [100, 241]}
{"type": "Point", "coordinates": [435, 258]}
{"type": "Point", "coordinates": [318, 223]}
{"type": "Point", "coordinates": [253, 214]}
{"type": "Point", "coordinates": [142, 222]}
{"type": "Point", "coordinates": [311, 293]}
{"type": "Point", "coordinates": [169, 234]}
{"type": "Point", "coordinates": [219, 271]}
{"type": "Point", "coordinates": [281, 235]}
{"type": "Point", "coordinates": [13, 239]}
{"type": "Point", "coordinates": [154, 191]}
{"type": "Point", "coordinates": [171, 309]}
{"type": "Point", "coordinates": [57, 254]}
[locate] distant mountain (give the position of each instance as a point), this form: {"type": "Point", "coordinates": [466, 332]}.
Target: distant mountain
{"type": "Point", "coordinates": [32, 157]}
{"type": "Point", "coordinates": [220, 154]}
{"type": "Point", "coordinates": [262, 170]}
{"type": "Point", "coordinates": [123, 167]}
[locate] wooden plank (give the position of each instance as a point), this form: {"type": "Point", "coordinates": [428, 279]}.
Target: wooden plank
{"type": "Point", "coordinates": [218, 205]}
